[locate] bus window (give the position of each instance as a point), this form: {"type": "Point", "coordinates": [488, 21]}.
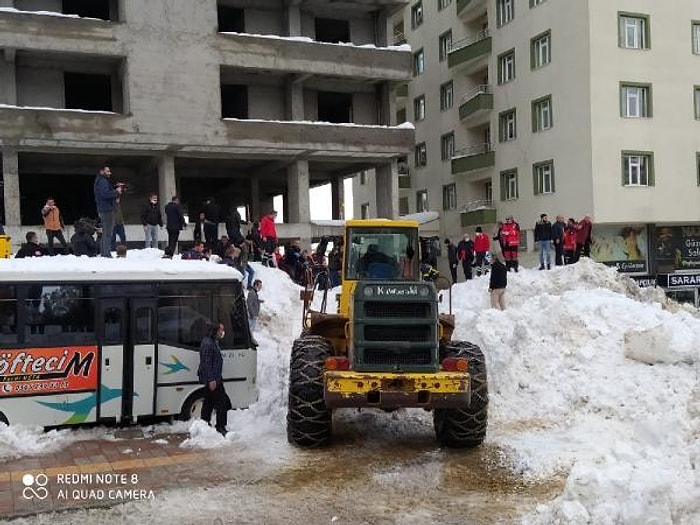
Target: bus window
{"type": "Point", "coordinates": [59, 315]}
{"type": "Point", "coordinates": [143, 320]}
{"type": "Point", "coordinates": [8, 315]}
{"type": "Point", "coordinates": [183, 320]}
{"type": "Point", "coordinates": [113, 323]}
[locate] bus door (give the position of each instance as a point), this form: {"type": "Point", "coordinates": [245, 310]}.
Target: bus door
{"type": "Point", "coordinates": [128, 366]}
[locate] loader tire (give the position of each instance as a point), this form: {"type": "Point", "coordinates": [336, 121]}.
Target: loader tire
{"type": "Point", "coordinates": [465, 427]}
{"type": "Point", "coordinates": [309, 421]}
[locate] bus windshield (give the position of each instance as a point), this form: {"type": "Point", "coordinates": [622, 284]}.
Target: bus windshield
{"type": "Point", "coordinates": [381, 253]}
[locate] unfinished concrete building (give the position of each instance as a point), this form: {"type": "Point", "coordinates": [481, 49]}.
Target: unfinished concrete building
{"type": "Point", "coordinates": [243, 100]}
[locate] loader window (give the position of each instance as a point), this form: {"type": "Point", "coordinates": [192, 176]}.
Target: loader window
{"type": "Point", "coordinates": [381, 254]}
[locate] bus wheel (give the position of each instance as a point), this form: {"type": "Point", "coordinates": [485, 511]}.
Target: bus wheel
{"type": "Point", "coordinates": [308, 419]}
{"type": "Point", "coordinates": [465, 427]}
{"type": "Point", "coordinates": [192, 407]}
{"type": "Point", "coordinates": [3, 419]}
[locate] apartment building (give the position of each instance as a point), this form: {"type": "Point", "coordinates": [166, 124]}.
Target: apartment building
{"type": "Point", "coordinates": [243, 100]}
{"type": "Point", "coordinates": [523, 107]}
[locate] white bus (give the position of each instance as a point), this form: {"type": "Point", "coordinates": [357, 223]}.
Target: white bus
{"type": "Point", "coordinates": [96, 340]}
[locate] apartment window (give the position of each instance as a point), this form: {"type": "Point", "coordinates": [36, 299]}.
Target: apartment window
{"type": "Point", "coordinates": [506, 67]}
{"type": "Point", "coordinates": [446, 95]}
{"type": "Point", "coordinates": [696, 38]}
{"type": "Point", "coordinates": [403, 206]}
{"type": "Point", "coordinates": [445, 44]}
{"type": "Point", "coordinates": [418, 62]}
{"type": "Point", "coordinates": [421, 201]}
{"type": "Point", "coordinates": [447, 146]}
{"type": "Point", "coordinates": [541, 50]}
{"type": "Point", "coordinates": [535, 3]}
{"type": "Point", "coordinates": [634, 31]}
{"type": "Point", "coordinates": [363, 177]}
{"type": "Point", "coordinates": [637, 168]}
{"type": "Point", "coordinates": [419, 108]}
{"type": "Point", "coordinates": [505, 11]}
{"type": "Point", "coordinates": [635, 100]}
{"type": "Point", "coordinates": [509, 185]}
{"type": "Point", "coordinates": [542, 114]}
{"type": "Point", "coordinates": [449, 197]}
{"type": "Point", "coordinates": [543, 173]}
{"type": "Point", "coordinates": [420, 155]}
{"type": "Point", "coordinates": [401, 116]}
{"type": "Point", "coordinates": [507, 126]}
{"type": "Point", "coordinates": [417, 14]}
{"type": "Point", "coordinates": [442, 4]}
{"type": "Point", "coordinates": [697, 102]}
{"type": "Point", "coordinates": [364, 210]}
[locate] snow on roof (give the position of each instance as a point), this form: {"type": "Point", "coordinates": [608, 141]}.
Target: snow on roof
{"type": "Point", "coordinates": [140, 265]}
{"type": "Point", "coordinates": [404, 125]}
{"type": "Point", "coordinates": [402, 47]}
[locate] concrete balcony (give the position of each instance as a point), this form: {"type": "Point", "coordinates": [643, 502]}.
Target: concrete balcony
{"type": "Point", "coordinates": [37, 32]}
{"type": "Point", "coordinates": [477, 213]}
{"type": "Point", "coordinates": [476, 105]}
{"type": "Point", "coordinates": [473, 158]}
{"type": "Point", "coordinates": [30, 128]}
{"type": "Point", "coordinates": [280, 54]}
{"type": "Point", "coordinates": [471, 54]}
{"type": "Point", "coordinates": [469, 10]}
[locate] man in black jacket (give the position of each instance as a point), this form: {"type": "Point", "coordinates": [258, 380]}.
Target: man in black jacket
{"type": "Point", "coordinates": [32, 248]}
{"type": "Point", "coordinates": [211, 364]}
{"type": "Point", "coordinates": [174, 222]}
{"type": "Point", "coordinates": [151, 219]}
{"type": "Point", "coordinates": [558, 239]}
{"type": "Point", "coordinates": [465, 253]}
{"type": "Point", "coordinates": [212, 217]}
{"type": "Point", "coordinates": [543, 240]}
{"type": "Point", "coordinates": [452, 259]}
{"type": "Point", "coordinates": [497, 282]}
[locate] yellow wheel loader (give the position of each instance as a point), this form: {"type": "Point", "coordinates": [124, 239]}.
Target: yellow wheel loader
{"type": "Point", "coordinates": [386, 346]}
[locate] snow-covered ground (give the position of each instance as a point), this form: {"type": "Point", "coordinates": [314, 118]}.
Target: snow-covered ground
{"type": "Point", "coordinates": [590, 377]}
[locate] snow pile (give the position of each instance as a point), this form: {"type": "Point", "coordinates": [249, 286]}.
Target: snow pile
{"type": "Point", "coordinates": [23, 440]}
{"type": "Point", "coordinates": [203, 436]}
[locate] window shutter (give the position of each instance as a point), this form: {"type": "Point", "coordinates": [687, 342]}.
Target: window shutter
{"type": "Point", "coordinates": [624, 171]}
{"type": "Point", "coordinates": [553, 178]}
{"type": "Point", "coordinates": [503, 187]}
{"type": "Point", "coordinates": [650, 163]}
{"type": "Point", "coordinates": [535, 188]}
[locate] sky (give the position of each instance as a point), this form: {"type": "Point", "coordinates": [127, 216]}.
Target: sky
{"type": "Point", "coordinates": [589, 376]}
{"type": "Point", "coordinates": [320, 198]}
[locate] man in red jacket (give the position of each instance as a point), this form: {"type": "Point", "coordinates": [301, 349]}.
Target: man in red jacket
{"type": "Point", "coordinates": [482, 243]}
{"type": "Point", "coordinates": [510, 237]}
{"type": "Point", "coordinates": [583, 238]}
{"type": "Point", "coordinates": [268, 232]}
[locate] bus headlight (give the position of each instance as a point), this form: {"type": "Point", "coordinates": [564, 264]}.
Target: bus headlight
{"type": "Point", "coordinates": [368, 291]}
{"type": "Point", "coordinates": [423, 291]}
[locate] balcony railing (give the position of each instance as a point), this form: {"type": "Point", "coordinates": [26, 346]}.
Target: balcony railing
{"type": "Point", "coordinates": [473, 157]}
{"type": "Point", "coordinates": [473, 149]}
{"type": "Point", "coordinates": [470, 51]}
{"type": "Point", "coordinates": [476, 100]}
{"type": "Point", "coordinates": [480, 204]}
{"type": "Point", "coordinates": [399, 38]}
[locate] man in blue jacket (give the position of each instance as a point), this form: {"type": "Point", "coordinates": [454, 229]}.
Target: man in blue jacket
{"type": "Point", "coordinates": [106, 202]}
{"type": "Point", "coordinates": [211, 364]}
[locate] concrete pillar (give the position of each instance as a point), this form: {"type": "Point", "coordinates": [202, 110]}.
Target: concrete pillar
{"type": "Point", "coordinates": [297, 207]}
{"type": "Point", "coordinates": [167, 186]}
{"type": "Point", "coordinates": [255, 204]}
{"type": "Point", "coordinates": [384, 29]}
{"type": "Point", "coordinates": [338, 198]}
{"type": "Point", "coordinates": [387, 190]}
{"type": "Point", "coordinates": [8, 88]}
{"type": "Point", "coordinates": [293, 20]}
{"type": "Point", "coordinates": [10, 177]}
{"type": "Point", "coordinates": [387, 104]}
{"type": "Point", "coordinates": [295, 101]}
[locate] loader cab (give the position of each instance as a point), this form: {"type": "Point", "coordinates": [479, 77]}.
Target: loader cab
{"type": "Point", "coordinates": [384, 253]}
